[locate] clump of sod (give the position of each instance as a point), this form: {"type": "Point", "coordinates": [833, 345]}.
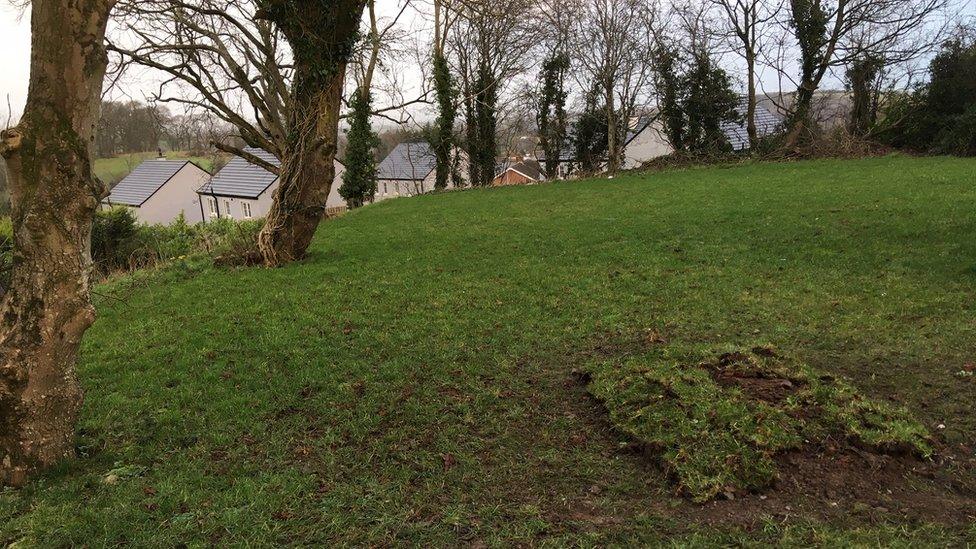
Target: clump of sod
{"type": "Point", "coordinates": [719, 425]}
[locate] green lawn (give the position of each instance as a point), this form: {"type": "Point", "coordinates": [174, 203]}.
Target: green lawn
{"type": "Point", "coordinates": [412, 382]}
{"type": "Point", "coordinates": [112, 170]}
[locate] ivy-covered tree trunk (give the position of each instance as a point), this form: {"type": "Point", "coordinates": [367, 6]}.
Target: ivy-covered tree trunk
{"type": "Point", "coordinates": [443, 135]}
{"type": "Point", "coordinates": [359, 179]}
{"type": "Point", "coordinates": [751, 100]}
{"type": "Point", "coordinates": [486, 99]}
{"type": "Point", "coordinates": [551, 117]}
{"type": "Point", "coordinates": [53, 197]}
{"type": "Point", "coordinates": [321, 34]}
{"type": "Point", "coordinates": [809, 19]}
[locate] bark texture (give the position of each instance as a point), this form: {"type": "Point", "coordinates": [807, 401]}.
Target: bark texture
{"type": "Point", "coordinates": [322, 34]}
{"type": "Point", "coordinates": [53, 197]}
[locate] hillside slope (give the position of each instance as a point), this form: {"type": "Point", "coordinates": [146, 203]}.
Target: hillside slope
{"type": "Point", "coordinates": [411, 382]}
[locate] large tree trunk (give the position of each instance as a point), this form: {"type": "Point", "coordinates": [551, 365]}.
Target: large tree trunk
{"type": "Point", "coordinates": [307, 170]}
{"type": "Point", "coordinates": [800, 121]}
{"type": "Point", "coordinates": [321, 34]}
{"type": "Point", "coordinates": [53, 196]}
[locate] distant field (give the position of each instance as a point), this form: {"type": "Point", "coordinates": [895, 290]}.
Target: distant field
{"type": "Point", "coordinates": [415, 381]}
{"type": "Point", "coordinates": [113, 170]}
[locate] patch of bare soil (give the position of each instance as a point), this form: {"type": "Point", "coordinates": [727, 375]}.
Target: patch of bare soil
{"type": "Point", "coordinates": [732, 370]}
{"type": "Point", "coordinates": [843, 482]}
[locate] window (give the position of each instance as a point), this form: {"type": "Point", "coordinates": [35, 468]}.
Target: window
{"type": "Point", "coordinates": [227, 208]}
{"type": "Point", "coordinates": [246, 209]}
{"type": "Point", "coordinates": [212, 202]}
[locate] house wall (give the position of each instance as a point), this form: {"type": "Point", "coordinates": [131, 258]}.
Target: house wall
{"type": "Point", "coordinates": [234, 207]}
{"type": "Point", "coordinates": [648, 145]}
{"type": "Point", "coordinates": [511, 177]}
{"type": "Point", "coordinates": [393, 188]}
{"type": "Point", "coordinates": [178, 195]}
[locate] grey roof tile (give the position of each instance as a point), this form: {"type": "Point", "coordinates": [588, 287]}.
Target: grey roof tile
{"type": "Point", "coordinates": [766, 124]}
{"type": "Point", "coordinates": [239, 178]}
{"type": "Point", "coordinates": [144, 181]}
{"type": "Point", "coordinates": [408, 161]}
{"type": "Point", "coordinates": [528, 167]}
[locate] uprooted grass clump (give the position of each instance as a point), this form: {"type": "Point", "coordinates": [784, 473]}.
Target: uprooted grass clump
{"type": "Point", "coordinates": [719, 426]}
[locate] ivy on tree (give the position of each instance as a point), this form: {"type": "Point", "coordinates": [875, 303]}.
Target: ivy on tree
{"type": "Point", "coordinates": [359, 179]}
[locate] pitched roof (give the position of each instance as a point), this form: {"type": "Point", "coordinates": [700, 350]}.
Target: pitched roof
{"type": "Point", "coordinates": [529, 168]}
{"type": "Point", "coordinates": [144, 181]}
{"type": "Point", "coordinates": [241, 179]}
{"type": "Point", "coordinates": [408, 161]}
{"type": "Point", "coordinates": [638, 127]}
{"type": "Point", "coordinates": [738, 135]}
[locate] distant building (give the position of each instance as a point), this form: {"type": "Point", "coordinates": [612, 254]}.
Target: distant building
{"type": "Point", "coordinates": [645, 139]}
{"type": "Point", "coordinates": [242, 190]}
{"type": "Point", "coordinates": [410, 169]}
{"type": "Point", "coordinates": [159, 190]}
{"type": "Point", "coordinates": [521, 172]}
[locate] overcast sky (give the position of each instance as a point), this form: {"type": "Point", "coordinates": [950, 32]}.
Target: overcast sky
{"type": "Point", "coordinates": [15, 43]}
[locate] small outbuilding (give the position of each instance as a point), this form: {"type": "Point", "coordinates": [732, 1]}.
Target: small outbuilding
{"type": "Point", "coordinates": [243, 190]}
{"type": "Point", "coordinates": [159, 191]}
{"type": "Point", "coordinates": [522, 172]}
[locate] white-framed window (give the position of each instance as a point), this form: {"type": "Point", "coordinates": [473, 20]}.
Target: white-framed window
{"type": "Point", "coordinates": [246, 210]}
{"type": "Point", "coordinates": [227, 208]}
{"type": "Point", "coordinates": [212, 203]}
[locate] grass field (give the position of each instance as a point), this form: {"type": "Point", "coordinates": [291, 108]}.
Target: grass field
{"type": "Point", "coordinates": [412, 382]}
{"type": "Point", "coordinates": [112, 170]}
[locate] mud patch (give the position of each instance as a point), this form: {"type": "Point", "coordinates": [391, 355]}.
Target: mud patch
{"type": "Point", "coordinates": [738, 370]}
{"type": "Point", "coordinates": [843, 483]}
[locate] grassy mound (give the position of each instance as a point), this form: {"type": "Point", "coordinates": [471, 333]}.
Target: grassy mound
{"type": "Point", "coordinates": [719, 426]}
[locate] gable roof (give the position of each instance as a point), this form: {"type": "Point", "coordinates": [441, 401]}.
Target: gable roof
{"type": "Point", "coordinates": [241, 179]}
{"type": "Point", "coordinates": [144, 181]}
{"type": "Point", "coordinates": [738, 135]}
{"type": "Point", "coordinates": [637, 128]}
{"type": "Point", "coordinates": [408, 161]}
{"type": "Point", "coordinates": [529, 168]}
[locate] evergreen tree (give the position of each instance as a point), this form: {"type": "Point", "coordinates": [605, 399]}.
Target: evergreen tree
{"type": "Point", "coordinates": [442, 136]}
{"type": "Point", "coordinates": [666, 62]}
{"type": "Point", "coordinates": [551, 117]}
{"type": "Point", "coordinates": [359, 179]}
{"type": "Point", "coordinates": [591, 134]}
{"type": "Point", "coordinates": [483, 150]}
{"type": "Point", "coordinates": [709, 102]}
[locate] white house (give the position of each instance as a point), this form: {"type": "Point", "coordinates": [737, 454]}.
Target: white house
{"type": "Point", "coordinates": [645, 139]}
{"type": "Point", "coordinates": [242, 190]}
{"type": "Point", "coordinates": [159, 190]}
{"type": "Point", "coordinates": [410, 169]}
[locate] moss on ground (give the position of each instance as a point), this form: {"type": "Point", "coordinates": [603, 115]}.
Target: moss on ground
{"type": "Point", "coordinates": [718, 426]}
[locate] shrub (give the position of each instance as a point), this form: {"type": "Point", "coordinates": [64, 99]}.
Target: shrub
{"type": "Point", "coordinates": [120, 243]}
{"type": "Point", "coordinates": [939, 117]}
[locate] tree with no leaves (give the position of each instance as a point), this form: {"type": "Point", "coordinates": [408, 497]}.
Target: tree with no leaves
{"type": "Point", "coordinates": [612, 48]}
{"type": "Point", "coordinates": [229, 54]}
{"type": "Point", "coordinates": [54, 196]}
{"type": "Point", "coordinates": [745, 22]}
{"type": "Point", "coordinates": [833, 33]}
{"type": "Point", "coordinates": [322, 35]}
